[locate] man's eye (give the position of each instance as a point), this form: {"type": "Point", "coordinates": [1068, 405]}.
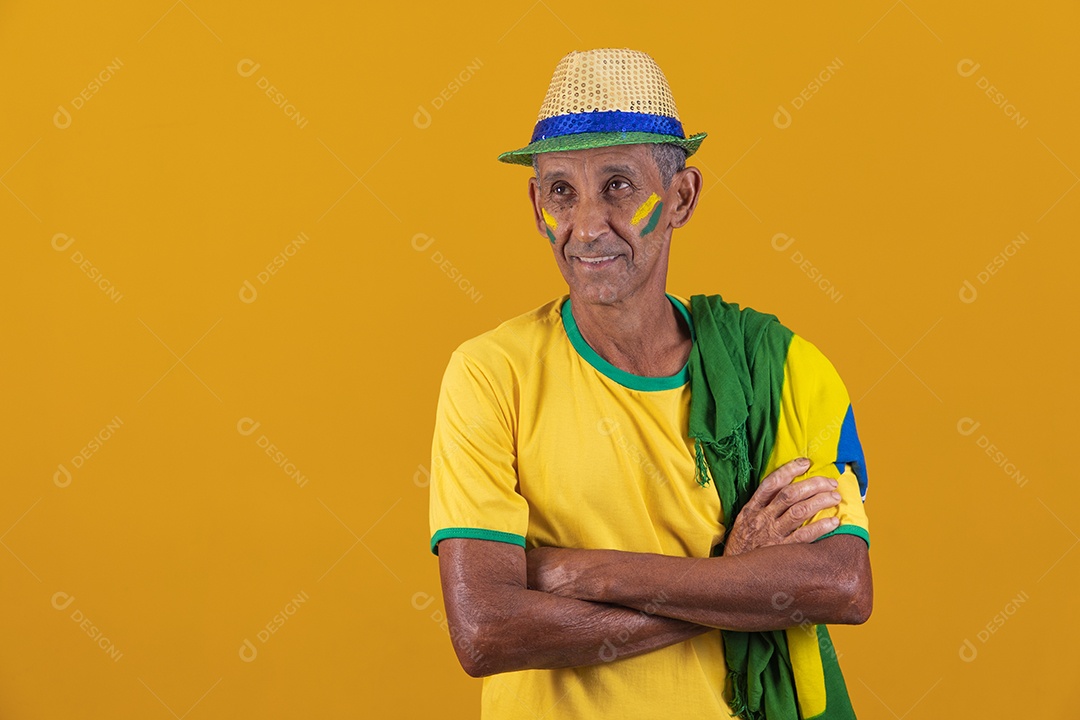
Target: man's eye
{"type": "Point", "coordinates": [618, 184]}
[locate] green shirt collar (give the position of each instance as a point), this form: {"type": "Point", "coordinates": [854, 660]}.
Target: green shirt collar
{"type": "Point", "coordinates": [624, 378]}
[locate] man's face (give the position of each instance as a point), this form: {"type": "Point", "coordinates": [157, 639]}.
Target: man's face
{"type": "Point", "coordinates": [607, 217]}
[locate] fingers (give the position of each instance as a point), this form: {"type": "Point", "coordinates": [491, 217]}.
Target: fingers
{"type": "Point", "coordinates": [813, 531]}
{"type": "Point", "coordinates": [803, 510]}
{"type": "Point", "coordinates": [799, 501]}
{"type": "Point", "coordinates": [777, 480]}
{"type": "Point", "coordinates": [780, 506]}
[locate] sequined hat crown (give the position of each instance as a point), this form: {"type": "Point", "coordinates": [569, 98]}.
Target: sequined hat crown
{"type": "Point", "coordinates": [605, 97]}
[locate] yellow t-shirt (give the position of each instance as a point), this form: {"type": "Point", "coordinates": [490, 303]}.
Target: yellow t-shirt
{"type": "Point", "coordinates": [541, 442]}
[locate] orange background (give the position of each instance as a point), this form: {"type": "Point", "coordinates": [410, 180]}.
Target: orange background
{"type": "Point", "coordinates": [179, 180]}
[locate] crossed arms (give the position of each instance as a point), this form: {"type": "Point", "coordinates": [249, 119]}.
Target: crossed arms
{"type": "Point", "coordinates": [561, 607]}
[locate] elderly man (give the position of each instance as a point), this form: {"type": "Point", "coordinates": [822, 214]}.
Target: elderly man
{"type": "Point", "coordinates": [643, 506]}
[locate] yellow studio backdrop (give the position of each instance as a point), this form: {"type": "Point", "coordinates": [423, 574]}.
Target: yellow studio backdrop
{"type": "Point", "coordinates": [240, 243]}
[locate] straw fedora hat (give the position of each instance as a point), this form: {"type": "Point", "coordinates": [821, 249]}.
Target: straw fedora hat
{"type": "Point", "coordinates": [605, 97]}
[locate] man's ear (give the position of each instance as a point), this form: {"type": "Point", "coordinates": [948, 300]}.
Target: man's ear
{"type": "Point", "coordinates": [534, 198]}
{"type": "Point", "coordinates": [686, 190]}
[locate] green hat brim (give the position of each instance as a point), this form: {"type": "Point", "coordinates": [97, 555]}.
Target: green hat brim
{"type": "Point", "coordinates": [582, 141]}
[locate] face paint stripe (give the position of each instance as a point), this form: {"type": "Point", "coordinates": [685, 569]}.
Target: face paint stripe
{"type": "Point", "coordinates": [653, 220]}
{"type": "Point", "coordinates": [551, 236]}
{"type": "Point", "coordinates": [548, 219]}
{"type": "Point", "coordinates": [642, 211]}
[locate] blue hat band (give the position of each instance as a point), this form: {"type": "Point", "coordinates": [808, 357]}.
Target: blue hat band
{"type": "Point", "coordinates": [606, 121]}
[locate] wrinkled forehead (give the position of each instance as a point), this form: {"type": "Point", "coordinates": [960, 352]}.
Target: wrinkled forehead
{"type": "Point", "coordinates": [634, 161]}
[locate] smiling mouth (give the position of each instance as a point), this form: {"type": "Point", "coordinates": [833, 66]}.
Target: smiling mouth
{"type": "Point", "coordinates": [595, 261]}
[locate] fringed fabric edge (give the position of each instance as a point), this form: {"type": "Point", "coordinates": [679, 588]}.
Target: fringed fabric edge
{"type": "Point", "coordinates": [739, 702]}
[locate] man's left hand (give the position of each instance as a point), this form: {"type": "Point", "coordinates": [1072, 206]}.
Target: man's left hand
{"type": "Point", "coordinates": [779, 507]}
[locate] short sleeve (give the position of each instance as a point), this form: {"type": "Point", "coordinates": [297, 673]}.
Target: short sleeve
{"type": "Point", "coordinates": [818, 421]}
{"type": "Point", "coordinates": [473, 485]}
{"type": "Point", "coordinates": [851, 511]}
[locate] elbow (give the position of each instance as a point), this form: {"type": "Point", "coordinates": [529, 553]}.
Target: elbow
{"type": "Point", "coordinates": [474, 668]}
{"type": "Point", "coordinates": [856, 596]}
{"type": "Point", "coordinates": [850, 582]}
{"type": "Point", "coordinates": [477, 650]}
{"type": "Point", "coordinates": [858, 608]}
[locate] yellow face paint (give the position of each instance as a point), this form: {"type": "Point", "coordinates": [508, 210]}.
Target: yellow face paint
{"type": "Point", "coordinates": [551, 223]}
{"type": "Point", "coordinates": [644, 210]}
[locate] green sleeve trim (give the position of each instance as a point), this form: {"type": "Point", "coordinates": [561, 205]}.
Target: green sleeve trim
{"type": "Point", "coordinates": [476, 534]}
{"type": "Point", "coordinates": [849, 530]}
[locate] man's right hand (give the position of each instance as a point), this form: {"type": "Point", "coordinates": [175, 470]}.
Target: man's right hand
{"type": "Point", "coordinates": [779, 507]}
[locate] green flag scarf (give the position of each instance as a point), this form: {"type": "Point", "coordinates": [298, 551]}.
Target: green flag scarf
{"type": "Point", "coordinates": [736, 377]}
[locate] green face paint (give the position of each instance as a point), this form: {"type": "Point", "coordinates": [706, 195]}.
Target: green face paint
{"type": "Point", "coordinates": [551, 223]}
{"type": "Point", "coordinates": [653, 219]}
{"type": "Point", "coordinates": [651, 208]}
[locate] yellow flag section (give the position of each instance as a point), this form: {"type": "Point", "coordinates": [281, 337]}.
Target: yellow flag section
{"type": "Point", "coordinates": [817, 421]}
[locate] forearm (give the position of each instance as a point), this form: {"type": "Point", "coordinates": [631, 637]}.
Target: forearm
{"type": "Point", "coordinates": [526, 629]}
{"type": "Point", "coordinates": [765, 589]}
{"type": "Point", "coordinates": [499, 625]}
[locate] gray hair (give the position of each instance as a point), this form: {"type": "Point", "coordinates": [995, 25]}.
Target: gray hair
{"type": "Point", "coordinates": [669, 159]}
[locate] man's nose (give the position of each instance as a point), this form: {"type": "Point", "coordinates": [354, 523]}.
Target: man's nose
{"type": "Point", "coordinates": [590, 219]}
